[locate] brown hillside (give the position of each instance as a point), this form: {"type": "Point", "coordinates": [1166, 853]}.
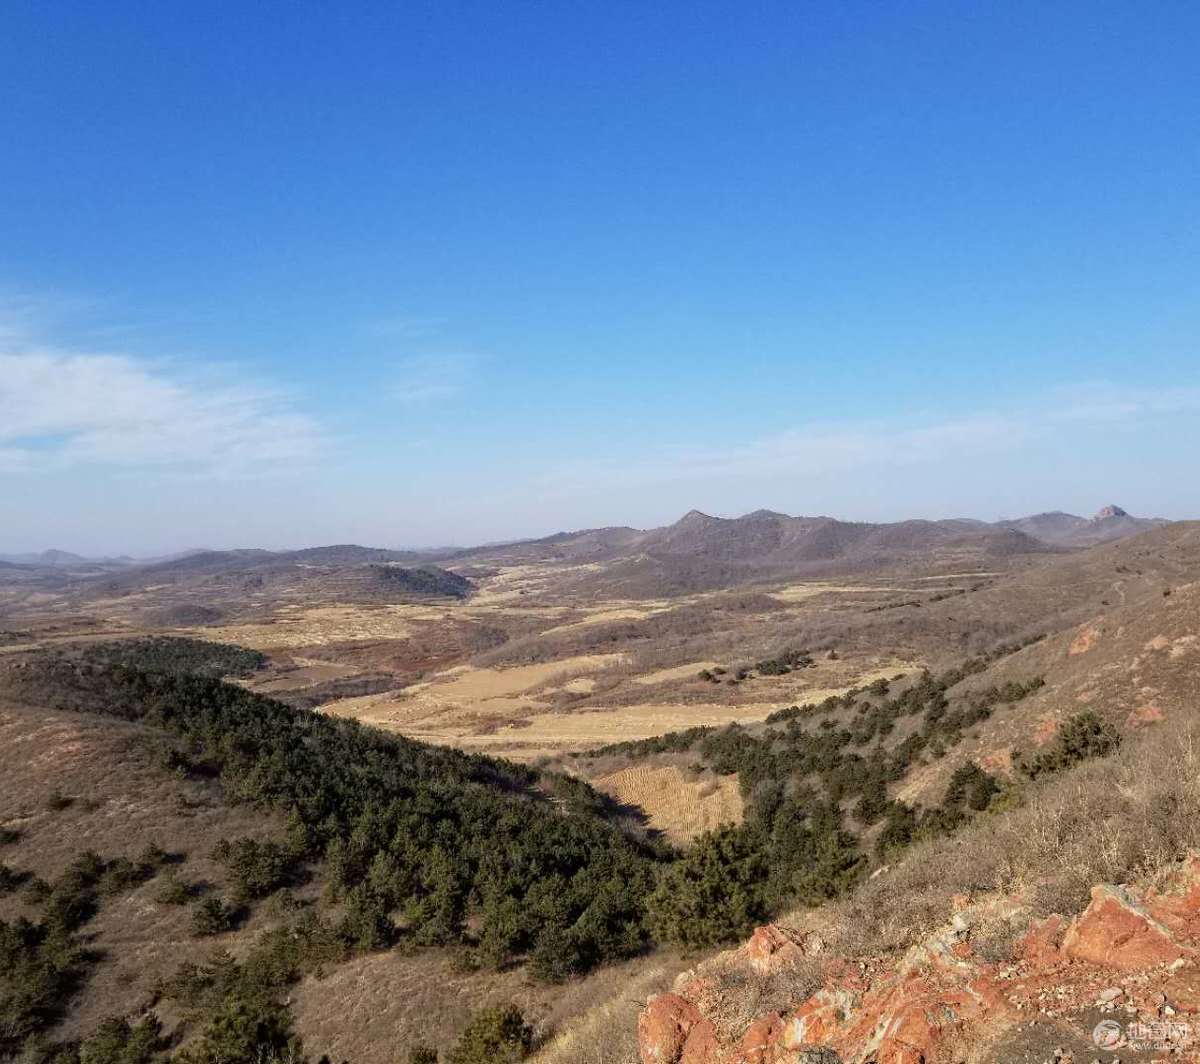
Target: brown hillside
{"type": "Point", "coordinates": [1135, 665]}
{"type": "Point", "coordinates": [121, 799]}
{"type": "Point", "coordinates": [1005, 944]}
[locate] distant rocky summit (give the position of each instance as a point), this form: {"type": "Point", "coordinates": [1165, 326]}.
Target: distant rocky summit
{"type": "Point", "coordinates": [1069, 530]}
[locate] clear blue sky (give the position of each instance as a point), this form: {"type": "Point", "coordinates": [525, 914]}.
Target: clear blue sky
{"type": "Point", "coordinates": [442, 272]}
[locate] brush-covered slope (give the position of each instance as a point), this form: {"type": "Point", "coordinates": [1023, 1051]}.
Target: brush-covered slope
{"type": "Point", "coordinates": [1134, 664]}
{"type": "Point", "coordinates": [1063, 924]}
{"type": "Point", "coordinates": [1070, 896]}
{"type": "Point", "coordinates": [377, 843]}
{"type": "Point", "coordinates": [700, 552]}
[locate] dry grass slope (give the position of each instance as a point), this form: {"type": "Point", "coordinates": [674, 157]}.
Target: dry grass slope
{"type": "Point", "coordinates": [121, 799]}
{"type": "Point", "coordinates": [678, 805]}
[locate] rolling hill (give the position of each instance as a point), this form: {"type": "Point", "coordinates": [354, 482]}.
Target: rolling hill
{"type": "Point", "coordinates": [701, 552]}
{"type": "Point", "coordinates": [296, 841]}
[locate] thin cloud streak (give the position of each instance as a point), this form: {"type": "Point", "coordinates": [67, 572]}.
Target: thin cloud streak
{"type": "Point", "coordinates": [429, 378]}
{"type": "Point", "coordinates": [62, 409]}
{"type": "Point", "coordinates": [839, 447]}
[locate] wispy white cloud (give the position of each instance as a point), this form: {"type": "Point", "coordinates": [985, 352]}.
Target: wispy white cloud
{"type": "Point", "coordinates": [406, 327]}
{"type": "Point", "coordinates": [1106, 401]}
{"type": "Point", "coordinates": [66, 408]}
{"type": "Point", "coordinates": [837, 447]}
{"type": "Point", "coordinates": [426, 378]}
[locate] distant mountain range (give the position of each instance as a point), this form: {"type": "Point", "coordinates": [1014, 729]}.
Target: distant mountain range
{"type": "Point", "coordinates": [769, 535]}
{"type": "Point", "coordinates": [47, 559]}
{"type": "Point", "coordinates": [700, 552]}
{"type": "Point", "coordinates": [764, 539]}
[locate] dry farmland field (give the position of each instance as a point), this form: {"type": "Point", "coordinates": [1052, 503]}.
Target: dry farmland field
{"type": "Point", "coordinates": [525, 667]}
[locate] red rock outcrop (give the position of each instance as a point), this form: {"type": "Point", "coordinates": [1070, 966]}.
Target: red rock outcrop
{"type": "Point", "coordinates": [941, 1002]}
{"type": "Point", "coordinates": [773, 947]}
{"type": "Point", "coordinates": [1116, 931]}
{"type": "Point", "coordinates": [664, 1026]}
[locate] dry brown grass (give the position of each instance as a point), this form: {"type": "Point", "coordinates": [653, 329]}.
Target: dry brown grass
{"type": "Point", "coordinates": [1122, 819]}
{"type": "Point", "coordinates": [122, 800]}
{"type": "Point", "coordinates": [529, 711]}
{"type": "Point", "coordinates": [322, 625]}
{"type": "Point", "coordinates": [373, 1009]}
{"type": "Point", "coordinates": [597, 1018]}
{"type": "Point", "coordinates": [676, 804]}
{"type": "Point", "coordinates": [741, 995]}
{"type": "Point", "coordinates": [688, 671]}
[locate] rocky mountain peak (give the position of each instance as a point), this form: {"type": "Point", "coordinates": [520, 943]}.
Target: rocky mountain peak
{"type": "Point", "coordinates": [764, 515]}
{"type": "Point", "coordinates": [1105, 512]}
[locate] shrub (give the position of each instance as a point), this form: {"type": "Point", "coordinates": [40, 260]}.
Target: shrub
{"type": "Point", "coordinates": [153, 856]}
{"type": "Point", "coordinates": [40, 966]}
{"type": "Point", "coordinates": [58, 801]}
{"type": "Point", "coordinates": [899, 830]}
{"type": "Point", "coordinates": [211, 917]}
{"type": "Point", "coordinates": [366, 925]}
{"type": "Point", "coordinates": [422, 1054]}
{"type": "Point", "coordinates": [242, 1027]}
{"type": "Point", "coordinates": [1080, 738]}
{"type": "Point", "coordinates": [1126, 819]}
{"type": "Point", "coordinates": [255, 868]}
{"type": "Point", "coordinates": [172, 890]}
{"type": "Point", "coordinates": [972, 786]}
{"type": "Point", "coordinates": [784, 663]}
{"type": "Point", "coordinates": [713, 893]}
{"type": "Point", "coordinates": [497, 1035]}
{"type": "Point", "coordinates": [71, 898]}
{"type": "Point", "coordinates": [122, 874]}
{"type": "Point", "coordinates": [10, 879]}
{"type": "Point", "coordinates": [116, 1041]}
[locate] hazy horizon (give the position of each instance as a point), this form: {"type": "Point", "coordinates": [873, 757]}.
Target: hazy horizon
{"type": "Point", "coordinates": [459, 274]}
{"type": "Point", "coordinates": [544, 533]}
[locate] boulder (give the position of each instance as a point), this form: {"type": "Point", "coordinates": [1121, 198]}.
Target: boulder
{"type": "Point", "coordinates": [1042, 943]}
{"type": "Point", "coordinates": [1117, 932]}
{"type": "Point", "coordinates": [663, 1028]}
{"type": "Point", "coordinates": [773, 948]}
{"type": "Point", "coordinates": [758, 1043]}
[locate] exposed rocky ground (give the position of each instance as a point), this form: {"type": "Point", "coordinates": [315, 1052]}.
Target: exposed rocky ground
{"type": "Point", "coordinates": [1119, 981]}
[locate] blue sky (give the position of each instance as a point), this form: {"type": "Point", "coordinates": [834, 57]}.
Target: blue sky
{"type": "Point", "coordinates": [448, 272]}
